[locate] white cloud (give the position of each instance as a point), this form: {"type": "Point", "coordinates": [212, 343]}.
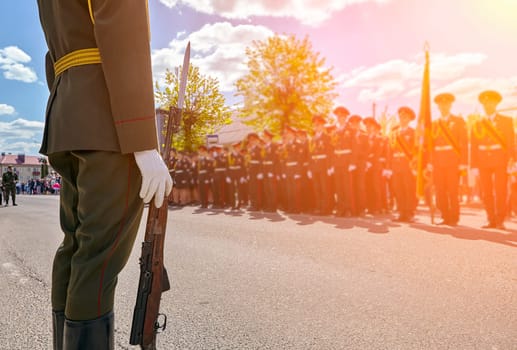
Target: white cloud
{"type": "Point", "coordinates": [12, 63]}
{"type": "Point", "coordinates": [217, 49]}
{"type": "Point", "coordinates": [391, 79]}
{"type": "Point", "coordinates": [21, 135]}
{"type": "Point", "coordinates": [6, 109]}
{"type": "Point", "coordinates": [310, 12]}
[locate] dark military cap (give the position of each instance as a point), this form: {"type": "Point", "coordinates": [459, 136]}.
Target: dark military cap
{"type": "Point", "coordinates": [371, 121]}
{"type": "Point", "coordinates": [444, 98]}
{"type": "Point", "coordinates": [253, 135]}
{"type": "Point", "coordinates": [202, 148]}
{"type": "Point", "coordinates": [407, 111]}
{"type": "Point", "coordinates": [341, 111]}
{"type": "Point", "coordinates": [490, 95]}
{"type": "Point", "coordinates": [290, 129]}
{"type": "Point", "coordinates": [268, 133]}
{"type": "Point", "coordinates": [354, 118]}
{"type": "Point", "coordinates": [318, 119]}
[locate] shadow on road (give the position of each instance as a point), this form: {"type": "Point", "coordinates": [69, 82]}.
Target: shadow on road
{"type": "Point", "coordinates": [508, 237]}
{"type": "Point", "coordinates": [381, 224]}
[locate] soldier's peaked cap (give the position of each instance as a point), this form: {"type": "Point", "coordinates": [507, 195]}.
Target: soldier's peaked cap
{"type": "Point", "coordinates": [318, 119]}
{"type": "Point", "coordinates": [341, 111]}
{"type": "Point", "coordinates": [354, 118]}
{"type": "Point", "coordinates": [253, 135]}
{"type": "Point", "coordinates": [290, 129]}
{"type": "Point", "coordinates": [407, 111]}
{"type": "Point", "coordinates": [371, 121]}
{"type": "Point", "coordinates": [490, 95]}
{"type": "Point", "coordinates": [444, 98]}
{"type": "Point", "coordinates": [268, 133]}
{"type": "Point", "coordinates": [202, 148]}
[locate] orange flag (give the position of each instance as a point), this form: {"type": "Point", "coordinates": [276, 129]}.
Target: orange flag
{"type": "Point", "coordinates": [423, 130]}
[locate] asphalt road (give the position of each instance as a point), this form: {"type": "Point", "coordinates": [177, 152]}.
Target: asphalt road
{"type": "Point", "coordinates": [254, 281]}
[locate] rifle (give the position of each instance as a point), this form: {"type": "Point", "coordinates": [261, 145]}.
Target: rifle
{"type": "Point", "coordinates": [154, 280]}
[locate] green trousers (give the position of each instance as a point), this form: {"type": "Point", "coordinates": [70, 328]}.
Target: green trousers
{"type": "Point", "coordinates": [100, 212]}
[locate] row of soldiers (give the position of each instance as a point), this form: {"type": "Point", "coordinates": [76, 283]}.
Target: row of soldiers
{"type": "Point", "coordinates": [350, 168]}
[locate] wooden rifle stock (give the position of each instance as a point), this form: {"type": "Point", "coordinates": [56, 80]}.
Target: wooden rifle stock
{"type": "Point", "coordinates": [153, 275]}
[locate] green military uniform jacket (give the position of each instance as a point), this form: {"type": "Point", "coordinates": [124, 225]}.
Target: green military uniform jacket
{"type": "Point", "coordinates": [9, 179]}
{"type": "Point", "coordinates": [107, 106]}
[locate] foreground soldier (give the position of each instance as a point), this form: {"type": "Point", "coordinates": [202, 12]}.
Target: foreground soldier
{"type": "Point", "coordinates": [449, 157]}
{"type": "Point", "coordinates": [402, 154]}
{"type": "Point", "coordinates": [492, 145]}
{"type": "Point", "coordinates": [100, 115]}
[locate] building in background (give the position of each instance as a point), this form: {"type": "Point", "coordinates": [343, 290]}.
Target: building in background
{"type": "Point", "coordinates": [27, 167]}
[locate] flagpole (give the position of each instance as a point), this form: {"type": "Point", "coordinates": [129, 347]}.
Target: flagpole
{"type": "Point", "coordinates": [423, 139]}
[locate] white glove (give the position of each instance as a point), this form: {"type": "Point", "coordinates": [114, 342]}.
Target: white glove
{"type": "Point", "coordinates": [243, 180]}
{"type": "Point", "coordinates": [387, 173]}
{"type": "Point", "coordinates": [309, 174]}
{"type": "Point", "coordinates": [368, 165]}
{"type": "Point", "coordinates": [330, 171]}
{"type": "Point", "coordinates": [297, 177]}
{"type": "Point", "coordinates": [156, 180]}
{"type": "Point", "coordinates": [270, 175]}
{"type": "Point", "coordinates": [228, 180]}
{"type": "Point", "coordinates": [352, 167]}
{"type": "Point", "coordinates": [429, 168]}
{"type": "Point", "coordinates": [260, 176]}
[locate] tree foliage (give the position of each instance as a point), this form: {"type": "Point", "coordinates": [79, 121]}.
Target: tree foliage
{"type": "Point", "coordinates": [287, 84]}
{"type": "Point", "coordinates": [204, 111]}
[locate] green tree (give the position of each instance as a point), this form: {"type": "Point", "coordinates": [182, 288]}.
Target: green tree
{"type": "Point", "coordinates": [204, 111]}
{"type": "Point", "coordinates": [287, 84]}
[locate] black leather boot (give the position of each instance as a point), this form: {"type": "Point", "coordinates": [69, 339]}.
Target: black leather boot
{"type": "Point", "coordinates": [58, 321]}
{"type": "Point", "coordinates": [91, 334]}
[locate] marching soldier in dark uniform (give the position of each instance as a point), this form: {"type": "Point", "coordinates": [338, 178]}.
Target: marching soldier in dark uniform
{"type": "Point", "coordinates": [401, 163]}
{"type": "Point", "coordinates": [9, 180]}
{"type": "Point", "coordinates": [292, 171]}
{"type": "Point", "coordinates": [449, 157]}
{"type": "Point", "coordinates": [342, 142]}
{"type": "Point", "coordinates": [236, 163]}
{"type": "Point", "coordinates": [255, 172]}
{"type": "Point", "coordinates": [182, 176]}
{"type": "Point", "coordinates": [375, 163]}
{"type": "Point", "coordinates": [320, 152]}
{"type": "Point", "coordinates": [307, 198]}
{"type": "Point", "coordinates": [100, 136]}
{"type": "Point", "coordinates": [270, 170]}
{"type": "Point", "coordinates": [220, 184]}
{"type": "Point", "coordinates": [205, 168]}
{"type": "Point", "coordinates": [358, 167]}
{"type": "Point", "coordinates": [492, 146]}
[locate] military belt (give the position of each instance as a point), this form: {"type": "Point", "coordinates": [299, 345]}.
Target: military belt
{"type": "Point", "coordinates": [319, 156]}
{"type": "Point", "coordinates": [342, 151]}
{"type": "Point", "coordinates": [443, 148]}
{"type": "Point", "coordinates": [399, 154]}
{"type": "Point", "coordinates": [291, 163]}
{"type": "Point", "coordinates": [254, 161]}
{"type": "Point", "coordinates": [489, 147]}
{"type": "Point", "coordinates": [220, 169]}
{"type": "Point", "coordinates": [235, 167]}
{"type": "Point", "coordinates": [203, 171]}
{"type": "Point", "coordinates": [267, 162]}
{"type": "Point", "coordinates": [179, 171]}
{"type": "Point", "coordinates": [77, 58]}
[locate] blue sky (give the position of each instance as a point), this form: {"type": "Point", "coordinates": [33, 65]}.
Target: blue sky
{"type": "Point", "coordinates": [374, 46]}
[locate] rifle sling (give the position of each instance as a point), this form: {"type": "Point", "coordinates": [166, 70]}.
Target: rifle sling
{"type": "Point", "coordinates": [449, 137]}
{"type": "Point", "coordinates": [494, 133]}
